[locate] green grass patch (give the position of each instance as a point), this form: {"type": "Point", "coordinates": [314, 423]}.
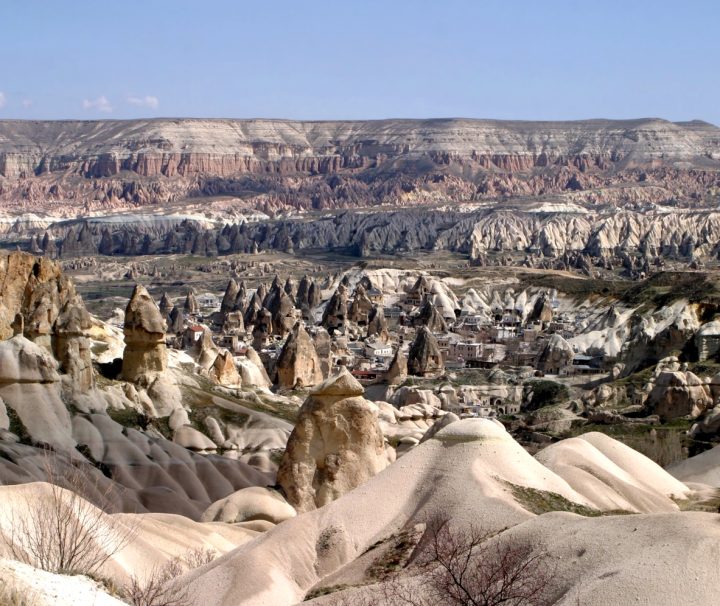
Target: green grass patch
{"type": "Point", "coordinates": [709, 504]}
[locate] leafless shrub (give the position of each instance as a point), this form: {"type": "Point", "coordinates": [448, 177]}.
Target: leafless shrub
{"type": "Point", "coordinates": [463, 567]}
{"type": "Point", "coordinates": [195, 558]}
{"type": "Point", "coordinates": [64, 532]}
{"type": "Point", "coordinates": [158, 588]}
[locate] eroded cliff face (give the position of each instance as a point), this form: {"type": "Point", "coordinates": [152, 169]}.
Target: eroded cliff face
{"type": "Point", "coordinates": [636, 240]}
{"type": "Point", "coordinates": [280, 164]}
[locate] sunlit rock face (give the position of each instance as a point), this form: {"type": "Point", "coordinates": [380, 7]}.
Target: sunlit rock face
{"type": "Point", "coordinates": [145, 352]}
{"type": "Point", "coordinates": [337, 444]}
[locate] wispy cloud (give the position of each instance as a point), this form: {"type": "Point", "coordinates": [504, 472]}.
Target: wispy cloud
{"type": "Point", "coordinates": [27, 103]}
{"type": "Point", "coordinates": [100, 104]}
{"type": "Point", "coordinates": [147, 101]}
{"type": "Point", "coordinates": [3, 99]}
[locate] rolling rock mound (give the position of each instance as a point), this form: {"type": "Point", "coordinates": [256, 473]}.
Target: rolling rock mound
{"type": "Point", "coordinates": [114, 164]}
{"type": "Point", "coordinates": [136, 429]}
{"type": "Point", "coordinates": [469, 470]}
{"type": "Point", "coordinates": [154, 539]}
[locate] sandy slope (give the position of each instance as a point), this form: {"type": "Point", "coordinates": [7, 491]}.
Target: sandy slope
{"type": "Point", "coordinates": [703, 468]}
{"type": "Point", "coordinates": [462, 472]}
{"type": "Point", "coordinates": [648, 560]}
{"type": "Point", "coordinates": [611, 475]}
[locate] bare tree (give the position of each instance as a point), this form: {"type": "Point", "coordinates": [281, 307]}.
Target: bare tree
{"type": "Point", "coordinates": [63, 531]}
{"type": "Point", "coordinates": [158, 587]}
{"type": "Point", "coordinates": [465, 567]}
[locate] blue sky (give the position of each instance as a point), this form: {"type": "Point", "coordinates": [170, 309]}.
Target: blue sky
{"type": "Point", "coordinates": [372, 59]}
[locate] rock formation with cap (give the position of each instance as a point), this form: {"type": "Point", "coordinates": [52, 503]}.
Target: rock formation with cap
{"type": "Point", "coordinates": [337, 444]}
{"type": "Point", "coordinates": [144, 330]}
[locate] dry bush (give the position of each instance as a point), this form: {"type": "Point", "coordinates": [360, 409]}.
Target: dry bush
{"type": "Point", "coordinates": [158, 588]}
{"type": "Point", "coordinates": [12, 596]}
{"type": "Point", "coordinates": [463, 567]}
{"type": "Point", "coordinates": [64, 532]}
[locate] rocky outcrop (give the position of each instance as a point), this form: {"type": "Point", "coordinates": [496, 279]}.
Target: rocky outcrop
{"type": "Point", "coordinates": [253, 308]}
{"type": "Point", "coordinates": [30, 389]}
{"type": "Point", "coordinates": [707, 340]}
{"type": "Point", "coordinates": [35, 288]}
{"type": "Point", "coordinates": [308, 294]}
{"type": "Point", "coordinates": [337, 444]}
{"type": "Point", "coordinates": [248, 505]}
{"type": "Point", "coordinates": [298, 364]}
{"type": "Point", "coordinates": [542, 310]}
{"type": "Point", "coordinates": [71, 344]}
{"type": "Point", "coordinates": [567, 235]}
{"type": "Point", "coordinates": [176, 321]}
{"type": "Point", "coordinates": [263, 328]}
{"type": "Point", "coordinates": [145, 352]}
{"type": "Point", "coordinates": [556, 356]}
{"type": "Point", "coordinates": [229, 298]}
{"type": "Point", "coordinates": [224, 370]}
{"type": "Point", "coordinates": [165, 306]}
{"type": "Point", "coordinates": [323, 347]}
{"type": "Point", "coordinates": [425, 357]}
{"type": "Point", "coordinates": [377, 324]}
{"type": "Point", "coordinates": [191, 305]}
{"type": "Point", "coordinates": [431, 318]}
{"type": "Point", "coordinates": [678, 394]}
{"type": "Point", "coordinates": [282, 308]}
{"type": "Point", "coordinates": [253, 372]}
{"type": "Point", "coordinates": [335, 314]}
{"type": "Point", "coordinates": [360, 307]}
{"type": "Point", "coordinates": [398, 370]}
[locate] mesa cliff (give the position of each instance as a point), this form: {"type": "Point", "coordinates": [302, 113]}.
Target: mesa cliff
{"type": "Point", "coordinates": [63, 165]}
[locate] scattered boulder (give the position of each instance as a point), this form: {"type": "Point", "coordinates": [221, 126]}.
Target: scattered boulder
{"type": "Point", "coordinates": [190, 438]}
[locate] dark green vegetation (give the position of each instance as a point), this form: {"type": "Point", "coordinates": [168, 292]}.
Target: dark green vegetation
{"type": "Point", "coordinates": [541, 501]}
{"type": "Point", "coordinates": [546, 393]}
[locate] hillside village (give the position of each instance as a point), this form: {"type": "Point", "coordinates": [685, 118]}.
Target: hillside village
{"type": "Point", "coordinates": [383, 337]}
